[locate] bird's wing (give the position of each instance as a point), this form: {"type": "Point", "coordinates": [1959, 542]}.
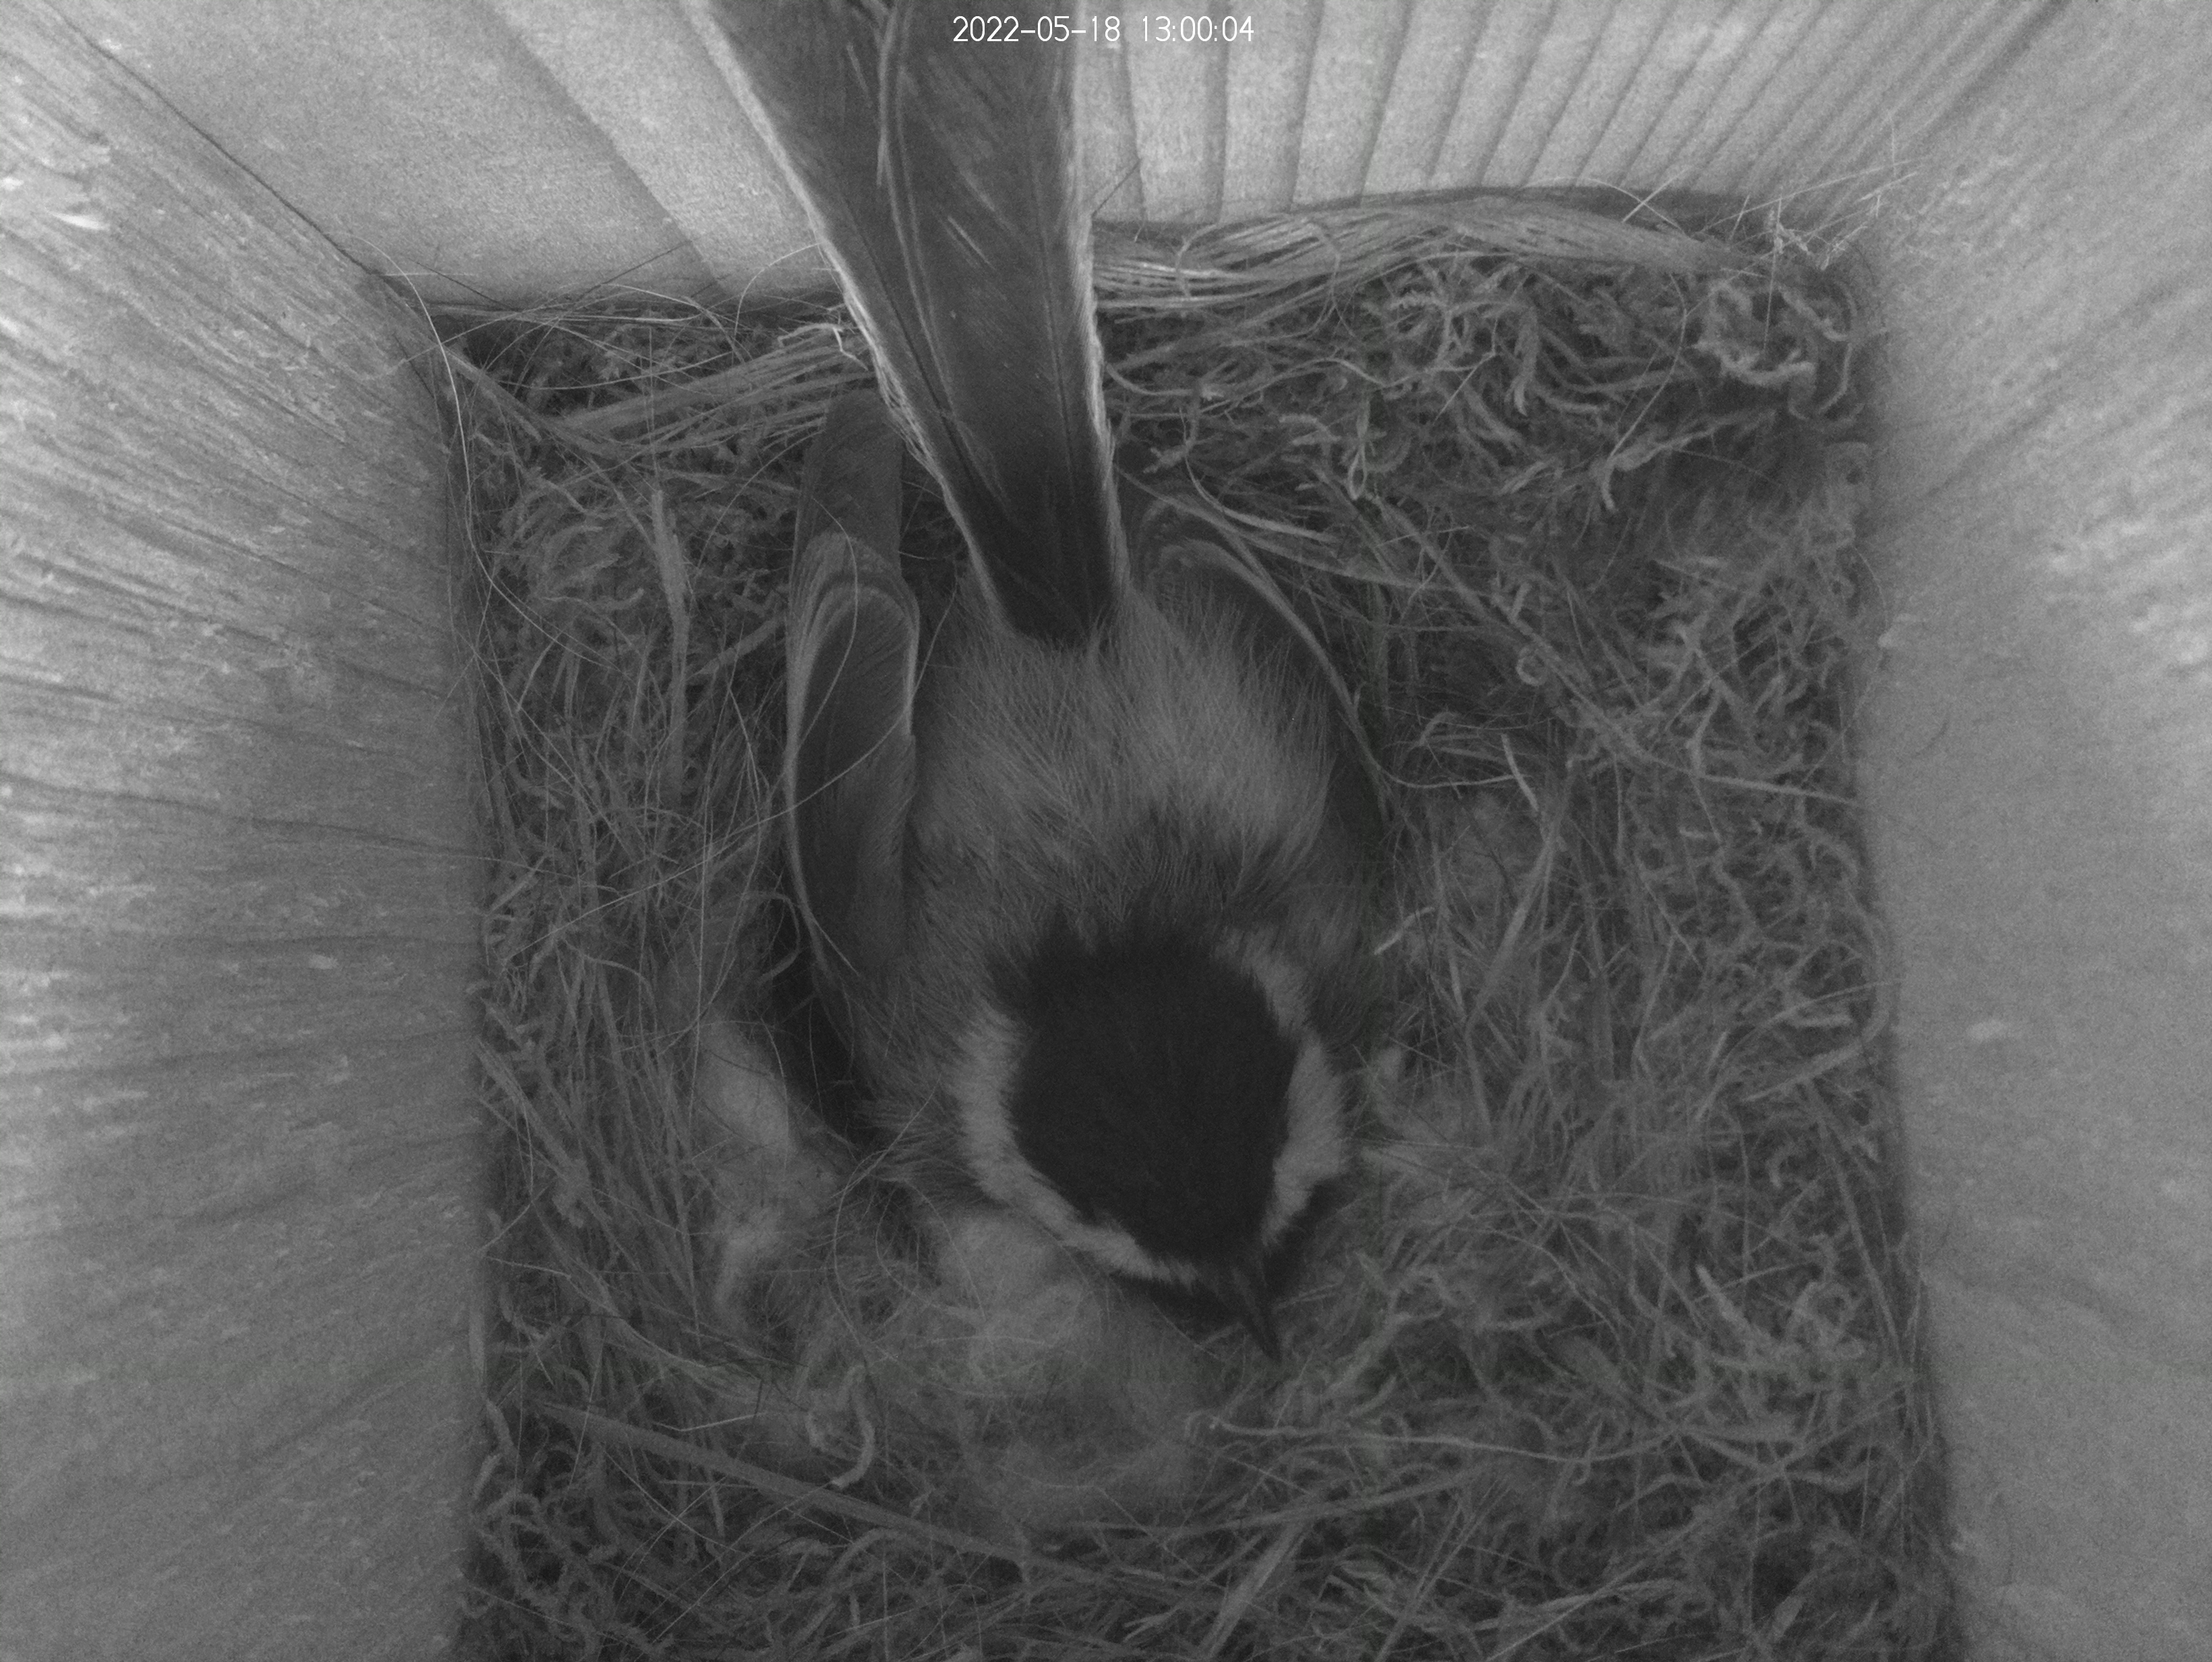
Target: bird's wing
{"type": "Point", "coordinates": [1180, 557]}
{"type": "Point", "coordinates": [851, 641]}
{"type": "Point", "coordinates": [941, 176]}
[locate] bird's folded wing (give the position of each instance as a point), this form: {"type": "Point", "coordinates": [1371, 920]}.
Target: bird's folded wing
{"type": "Point", "coordinates": [852, 639]}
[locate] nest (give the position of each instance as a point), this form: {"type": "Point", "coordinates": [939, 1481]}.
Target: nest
{"type": "Point", "coordinates": [1610, 1351]}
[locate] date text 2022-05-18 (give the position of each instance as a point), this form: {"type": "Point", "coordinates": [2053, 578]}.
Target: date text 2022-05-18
{"type": "Point", "coordinates": [1111, 29]}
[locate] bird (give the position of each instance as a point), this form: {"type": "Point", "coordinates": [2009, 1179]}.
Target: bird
{"type": "Point", "coordinates": [1080, 856]}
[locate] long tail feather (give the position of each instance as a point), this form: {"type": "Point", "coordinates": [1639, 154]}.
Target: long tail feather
{"type": "Point", "coordinates": [985, 197]}
{"type": "Point", "coordinates": [940, 177]}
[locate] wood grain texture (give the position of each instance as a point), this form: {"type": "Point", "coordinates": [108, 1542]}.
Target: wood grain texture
{"type": "Point", "coordinates": [643, 77]}
{"type": "Point", "coordinates": [2038, 765]}
{"type": "Point", "coordinates": [1432, 59]}
{"type": "Point", "coordinates": [237, 1131]}
{"type": "Point", "coordinates": [523, 149]}
{"type": "Point", "coordinates": [1356, 54]}
{"type": "Point", "coordinates": [428, 140]}
{"type": "Point", "coordinates": [1264, 112]}
{"type": "Point", "coordinates": [1179, 88]}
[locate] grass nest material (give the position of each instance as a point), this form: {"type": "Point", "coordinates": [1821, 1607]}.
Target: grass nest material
{"type": "Point", "coordinates": [1612, 1351]}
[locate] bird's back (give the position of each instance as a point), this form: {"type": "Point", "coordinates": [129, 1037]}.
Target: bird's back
{"type": "Point", "coordinates": [1170, 777]}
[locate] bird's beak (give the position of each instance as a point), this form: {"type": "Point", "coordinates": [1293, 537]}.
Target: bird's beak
{"type": "Point", "coordinates": [1243, 1287]}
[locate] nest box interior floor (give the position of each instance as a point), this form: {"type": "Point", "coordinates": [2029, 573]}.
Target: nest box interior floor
{"type": "Point", "coordinates": [1610, 1350]}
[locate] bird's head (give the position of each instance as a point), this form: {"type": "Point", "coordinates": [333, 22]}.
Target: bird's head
{"type": "Point", "coordinates": [1162, 1105]}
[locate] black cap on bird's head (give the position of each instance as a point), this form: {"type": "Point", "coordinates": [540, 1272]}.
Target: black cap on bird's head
{"type": "Point", "coordinates": [1163, 1106]}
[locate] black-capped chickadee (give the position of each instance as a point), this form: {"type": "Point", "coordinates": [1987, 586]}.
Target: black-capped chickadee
{"type": "Point", "coordinates": [1082, 877]}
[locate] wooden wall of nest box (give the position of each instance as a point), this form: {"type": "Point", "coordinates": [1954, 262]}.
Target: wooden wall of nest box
{"type": "Point", "coordinates": [237, 1143]}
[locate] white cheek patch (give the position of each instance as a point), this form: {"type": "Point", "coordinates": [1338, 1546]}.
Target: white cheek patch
{"type": "Point", "coordinates": [982, 1079]}
{"type": "Point", "coordinates": [1280, 981]}
{"type": "Point", "coordinates": [1317, 1149]}
{"type": "Point", "coordinates": [1113, 1246]}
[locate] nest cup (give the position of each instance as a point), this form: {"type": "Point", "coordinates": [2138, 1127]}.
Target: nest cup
{"type": "Point", "coordinates": [1607, 1347]}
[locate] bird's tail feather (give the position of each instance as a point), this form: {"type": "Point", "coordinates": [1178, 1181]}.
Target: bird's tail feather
{"type": "Point", "coordinates": [941, 175]}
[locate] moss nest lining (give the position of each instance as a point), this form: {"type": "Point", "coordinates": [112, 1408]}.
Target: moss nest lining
{"type": "Point", "coordinates": [1611, 1348]}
